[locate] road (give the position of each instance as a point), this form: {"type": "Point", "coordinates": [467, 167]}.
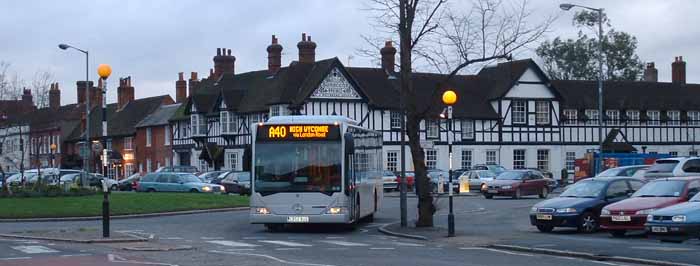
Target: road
{"type": "Point", "coordinates": [228, 239]}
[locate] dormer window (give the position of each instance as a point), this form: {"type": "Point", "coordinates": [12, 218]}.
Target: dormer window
{"type": "Point", "coordinates": [228, 122]}
{"type": "Point", "coordinates": [198, 124]}
{"type": "Point", "coordinates": [278, 110]}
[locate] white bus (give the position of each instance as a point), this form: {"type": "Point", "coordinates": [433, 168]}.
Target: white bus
{"type": "Point", "coordinates": [314, 169]}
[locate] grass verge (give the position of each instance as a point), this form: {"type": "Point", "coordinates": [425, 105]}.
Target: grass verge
{"type": "Point", "coordinates": [120, 204]}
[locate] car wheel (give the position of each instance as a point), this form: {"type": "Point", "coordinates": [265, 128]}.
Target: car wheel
{"type": "Point", "coordinates": [588, 223]}
{"type": "Point", "coordinates": [151, 190]}
{"type": "Point", "coordinates": [544, 193]}
{"type": "Point", "coordinates": [194, 190]}
{"type": "Point", "coordinates": [517, 194]}
{"type": "Point", "coordinates": [618, 233]}
{"type": "Point", "coordinates": [488, 196]}
{"type": "Point", "coordinates": [545, 228]}
{"type": "Point", "coordinates": [114, 188]}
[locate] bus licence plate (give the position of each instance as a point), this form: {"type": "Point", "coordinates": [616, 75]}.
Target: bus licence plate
{"type": "Point", "coordinates": [659, 229]}
{"type": "Point", "coordinates": [616, 218]}
{"type": "Point", "coordinates": [298, 219]}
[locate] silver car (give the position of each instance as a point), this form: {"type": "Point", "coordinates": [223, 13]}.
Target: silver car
{"type": "Point", "coordinates": [477, 178]}
{"type": "Point", "coordinates": [389, 179]}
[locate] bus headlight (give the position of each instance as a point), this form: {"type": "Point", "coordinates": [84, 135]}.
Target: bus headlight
{"type": "Point", "coordinates": [262, 210]}
{"type": "Point", "coordinates": [335, 210]}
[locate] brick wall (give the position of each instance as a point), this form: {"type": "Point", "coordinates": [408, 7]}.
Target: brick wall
{"type": "Point", "coordinates": [158, 152]}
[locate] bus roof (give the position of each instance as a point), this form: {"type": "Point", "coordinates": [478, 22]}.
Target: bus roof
{"type": "Point", "coordinates": [310, 119]}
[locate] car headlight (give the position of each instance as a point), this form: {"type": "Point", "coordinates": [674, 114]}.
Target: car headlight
{"type": "Point", "coordinates": [533, 209]}
{"type": "Point", "coordinates": [335, 210]}
{"type": "Point", "coordinates": [605, 212]}
{"type": "Point", "coordinates": [678, 218]}
{"type": "Point", "coordinates": [222, 189]}
{"type": "Point", "coordinates": [484, 186]}
{"type": "Point", "coordinates": [507, 187]}
{"type": "Point", "coordinates": [262, 210]}
{"type": "Point", "coordinates": [643, 212]}
{"type": "Point", "coordinates": [566, 210]}
{"type": "Point", "coordinates": [650, 217]}
{"type": "Point", "coordinates": [206, 189]}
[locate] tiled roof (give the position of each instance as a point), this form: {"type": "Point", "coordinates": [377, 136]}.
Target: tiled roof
{"type": "Point", "coordinates": [160, 116]}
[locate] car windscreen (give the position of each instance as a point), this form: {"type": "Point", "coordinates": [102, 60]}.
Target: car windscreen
{"type": "Point", "coordinates": [610, 172]}
{"type": "Point", "coordinates": [244, 177]}
{"type": "Point", "coordinates": [666, 188]}
{"type": "Point", "coordinates": [663, 166]}
{"type": "Point", "coordinates": [584, 189]}
{"type": "Point", "coordinates": [696, 198]}
{"type": "Point", "coordinates": [487, 174]}
{"type": "Point", "coordinates": [298, 166]}
{"type": "Point", "coordinates": [510, 175]}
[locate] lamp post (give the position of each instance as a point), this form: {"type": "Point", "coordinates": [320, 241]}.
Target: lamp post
{"type": "Point", "coordinates": [86, 160]}
{"type": "Point", "coordinates": [567, 7]}
{"type": "Point", "coordinates": [104, 70]}
{"type": "Point", "coordinates": [403, 186]}
{"type": "Point", "coordinates": [449, 98]}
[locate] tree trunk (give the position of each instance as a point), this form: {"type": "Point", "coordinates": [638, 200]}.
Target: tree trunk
{"type": "Point", "coordinates": [425, 200]}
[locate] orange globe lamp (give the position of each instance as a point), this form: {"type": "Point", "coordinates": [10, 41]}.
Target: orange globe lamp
{"type": "Point", "coordinates": [449, 97]}
{"type": "Point", "coordinates": [104, 70]}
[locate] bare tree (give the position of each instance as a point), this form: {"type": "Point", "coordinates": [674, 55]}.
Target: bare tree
{"type": "Point", "coordinates": [40, 87]}
{"type": "Point", "coordinates": [447, 38]}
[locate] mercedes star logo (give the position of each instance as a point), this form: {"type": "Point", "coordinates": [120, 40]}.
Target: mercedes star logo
{"type": "Point", "coordinates": [297, 208]}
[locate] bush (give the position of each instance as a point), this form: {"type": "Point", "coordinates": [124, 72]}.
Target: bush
{"type": "Point", "coordinates": [46, 191]}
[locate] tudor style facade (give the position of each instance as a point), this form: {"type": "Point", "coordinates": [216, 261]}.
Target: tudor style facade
{"type": "Point", "coordinates": [509, 113]}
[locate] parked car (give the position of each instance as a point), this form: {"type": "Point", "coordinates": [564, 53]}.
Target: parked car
{"type": "Point", "coordinates": [579, 206]}
{"type": "Point", "coordinates": [670, 167]}
{"type": "Point", "coordinates": [630, 171]}
{"type": "Point", "coordinates": [237, 182]}
{"type": "Point", "coordinates": [95, 180]}
{"type": "Point", "coordinates": [477, 178]}
{"type": "Point", "coordinates": [208, 176]}
{"type": "Point", "coordinates": [410, 179]}
{"type": "Point", "coordinates": [676, 223]}
{"type": "Point", "coordinates": [16, 179]}
{"type": "Point", "coordinates": [436, 176]}
{"type": "Point", "coordinates": [69, 179]}
{"type": "Point", "coordinates": [178, 169]}
{"type": "Point", "coordinates": [516, 183]}
{"type": "Point", "coordinates": [130, 183]}
{"type": "Point", "coordinates": [493, 167]}
{"type": "Point", "coordinates": [389, 180]}
{"type": "Point", "coordinates": [175, 182]}
{"type": "Point", "coordinates": [631, 214]}
{"type": "Point", "coordinates": [456, 173]}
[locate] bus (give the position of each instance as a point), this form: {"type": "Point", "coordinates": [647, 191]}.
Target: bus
{"type": "Point", "coordinates": [314, 169]}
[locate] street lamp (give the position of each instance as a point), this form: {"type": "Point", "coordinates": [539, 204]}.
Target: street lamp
{"type": "Point", "coordinates": [104, 70]}
{"type": "Point", "coordinates": [567, 7]}
{"type": "Point", "coordinates": [403, 181]}
{"type": "Point", "coordinates": [449, 98]}
{"type": "Point", "coordinates": [86, 162]}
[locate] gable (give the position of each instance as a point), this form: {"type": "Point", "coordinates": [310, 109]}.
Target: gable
{"type": "Point", "coordinates": [530, 85]}
{"type": "Point", "coordinates": [335, 86]}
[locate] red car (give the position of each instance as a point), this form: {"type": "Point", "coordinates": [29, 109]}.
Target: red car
{"type": "Point", "coordinates": [517, 183]}
{"type": "Point", "coordinates": [410, 179]}
{"type": "Point", "coordinates": [631, 214]}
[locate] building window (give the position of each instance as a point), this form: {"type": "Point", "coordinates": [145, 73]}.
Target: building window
{"type": "Point", "coordinates": [613, 117]}
{"type": "Point", "coordinates": [467, 129]}
{"type": "Point", "coordinates": [654, 118]}
{"type": "Point", "coordinates": [466, 159]}
{"type": "Point", "coordinates": [395, 119]}
{"type": "Point", "coordinates": [232, 161]}
{"type": "Point", "coordinates": [255, 118]}
{"type": "Point", "coordinates": [592, 116]}
{"type": "Point", "coordinates": [166, 135]}
{"type": "Point", "coordinates": [632, 117]}
{"type": "Point", "coordinates": [673, 153]}
{"type": "Point", "coordinates": [223, 120]}
{"type": "Point", "coordinates": [109, 144]}
{"type": "Point", "coordinates": [129, 143]}
{"type": "Point", "coordinates": [570, 116]}
{"type": "Point", "coordinates": [199, 125]}
{"type": "Point", "coordinates": [491, 157]}
{"type": "Point", "coordinates": [674, 118]}
{"type": "Point", "coordinates": [433, 128]}
{"type": "Point", "coordinates": [518, 159]}
{"type": "Point", "coordinates": [149, 135]}
{"type": "Point", "coordinates": [430, 158]}
{"type": "Point", "coordinates": [542, 112]}
{"type": "Point", "coordinates": [128, 169]}
{"type": "Point", "coordinates": [519, 112]}
{"type": "Point", "coordinates": [232, 124]}
{"type": "Point", "coordinates": [392, 160]}
{"type": "Point", "coordinates": [148, 165]}
{"type": "Point", "coordinates": [570, 161]}
{"type": "Point", "coordinates": [543, 160]}
{"type": "Point", "coordinates": [693, 118]}
{"type": "Point", "coordinates": [276, 110]}
{"type": "Point", "coordinates": [203, 166]}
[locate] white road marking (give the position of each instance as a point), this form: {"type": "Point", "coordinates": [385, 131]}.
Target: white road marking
{"type": "Point", "coordinates": [285, 243]}
{"type": "Point", "coordinates": [270, 257]}
{"type": "Point", "coordinates": [16, 258]}
{"type": "Point", "coordinates": [408, 244]}
{"type": "Point", "coordinates": [344, 243]}
{"type": "Point", "coordinates": [497, 250]}
{"type": "Point", "coordinates": [664, 248]}
{"type": "Point", "coordinates": [282, 249]}
{"type": "Point", "coordinates": [75, 255]}
{"type": "Point", "coordinates": [232, 243]}
{"type": "Point", "coordinates": [34, 249]}
{"type": "Point", "coordinates": [381, 248]}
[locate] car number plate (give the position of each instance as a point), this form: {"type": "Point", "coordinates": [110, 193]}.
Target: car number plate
{"type": "Point", "coordinates": [492, 191]}
{"type": "Point", "coordinates": [544, 217]}
{"type": "Point", "coordinates": [659, 229]}
{"type": "Point", "coordinates": [298, 219]}
{"type": "Point", "coordinates": [617, 218]}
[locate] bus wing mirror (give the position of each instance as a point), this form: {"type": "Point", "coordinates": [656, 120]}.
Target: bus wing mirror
{"type": "Point", "coordinates": [349, 144]}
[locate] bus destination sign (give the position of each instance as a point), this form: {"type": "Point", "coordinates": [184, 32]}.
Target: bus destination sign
{"type": "Point", "coordinates": [298, 132]}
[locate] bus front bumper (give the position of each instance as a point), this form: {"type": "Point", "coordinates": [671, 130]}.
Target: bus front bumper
{"type": "Point", "coordinates": [299, 219]}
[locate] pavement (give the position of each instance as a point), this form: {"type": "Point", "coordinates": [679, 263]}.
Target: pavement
{"type": "Point", "coordinates": [227, 238]}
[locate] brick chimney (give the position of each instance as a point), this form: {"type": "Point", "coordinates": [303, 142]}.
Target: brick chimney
{"type": "Point", "coordinates": [388, 53]}
{"type": "Point", "coordinates": [194, 83]}
{"type": "Point", "coordinates": [651, 74]}
{"type": "Point", "coordinates": [96, 95]}
{"type": "Point", "coordinates": [81, 87]}
{"type": "Point", "coordinates": [307, 49]}
{"type": "Point", "coordinates": [180, 88]}
{"type": "Point", "coordinates": [125, 92]}
{"type": "Point", "coordinates": [27, 98]}
{"type": "Point", "coordinates": [224, 62]}
{"type": "Point", "coordinates": [274, 56]}
{"type": "Point", "coordinates": [54, 96]}
{"type": "Point", "coordinates": [678, 70]}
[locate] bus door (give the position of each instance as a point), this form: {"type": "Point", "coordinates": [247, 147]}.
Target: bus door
{"type": "Point", "coordinates": [350, 179]}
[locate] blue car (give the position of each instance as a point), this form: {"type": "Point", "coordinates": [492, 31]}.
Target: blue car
{"type": "Point", "coordinates": [176, 182]}
{"type": "Point", "coordinates": [580, 205]}
{"type": "Point", "coordinates": [676, 223]}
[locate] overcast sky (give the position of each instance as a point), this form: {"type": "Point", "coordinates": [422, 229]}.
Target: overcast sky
{"type": "Point", "coordinates": [152, 41]}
